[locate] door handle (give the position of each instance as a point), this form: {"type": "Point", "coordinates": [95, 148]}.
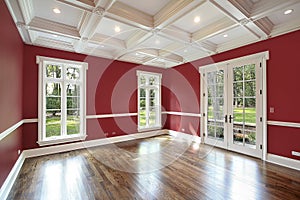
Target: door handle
{"type": "Point", "coordinates": [225, 118]}
{"type": "Point", "coordinates": [230, 118]}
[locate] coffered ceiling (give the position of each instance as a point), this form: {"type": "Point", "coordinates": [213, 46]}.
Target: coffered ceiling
{"type": "Point", "coordinates": [162, 33]}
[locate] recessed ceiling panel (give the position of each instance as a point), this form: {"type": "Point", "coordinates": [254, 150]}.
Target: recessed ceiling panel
{"type": "Point", "coordinates": [229, 35]}
{"type": "Point", "coordinates": [68, 15]}
{"type": "Point", "coordinates": [109, 28]}
{"type": "Point", "coordinates": [279, 17]}
{"type": "Point", "coordinates": [156, 42]}
{"type": "Point", "coordinates": [207, 14]}
{"type": "Point", "coordinates": [147, 6]}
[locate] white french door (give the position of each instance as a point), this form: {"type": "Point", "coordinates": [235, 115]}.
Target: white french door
{"type": "Point", "coordinates": [232, 106]}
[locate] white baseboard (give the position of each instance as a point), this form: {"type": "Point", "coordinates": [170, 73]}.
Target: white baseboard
{"type": "Point", "coordinates": [283, 161]}
{"type": "Point", "coordinates": [90, 143]}
{"type": "Point", "coordinates": [8, 183]}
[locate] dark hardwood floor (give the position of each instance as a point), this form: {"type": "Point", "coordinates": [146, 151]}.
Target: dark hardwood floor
{"type": "Point", "coordinates": [162, 167]}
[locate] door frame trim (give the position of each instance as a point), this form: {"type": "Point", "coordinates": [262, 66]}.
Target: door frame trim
{"type": "Point", "coordinates": [263, 56]}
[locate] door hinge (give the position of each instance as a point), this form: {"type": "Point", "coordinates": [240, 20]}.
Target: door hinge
{"type": "Point", "coordinates": [203, 114]}
{"type": "Point", "coordinates": [260, 146]}
{"type": "Point", "coordinates": [260, 65]}
{"type": "Point", "coordinates": [260, 91]}
{"type": "Point", "coordinates": [203, 134]}
{"type": "Point", "coordinates": [260, 119]}
{"type": "Point", "coordinates": [204, 94]}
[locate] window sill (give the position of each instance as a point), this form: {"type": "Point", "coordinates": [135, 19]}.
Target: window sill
{"type": "Point", "coordinates": [149, 129]}
{"type": "Point", "coordinates": [61, 140]}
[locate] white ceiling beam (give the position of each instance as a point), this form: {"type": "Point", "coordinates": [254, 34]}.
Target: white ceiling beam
{"type": "Point", "coordinates": [85, 5]}
{"type": "Point", "coordinates": [176, 34]}
{"type": "Point", "coordinates": [174, 10]}
{"type": "Point", "coordinates": [129, 15]}
{"type": "Point", "coordinates": [89, 23]}
{"type": "Point", "coordinates": [137, 38]}
{"type": "Point", "coordinates": [51, 27]}
{"type": "Point", "coordinates": [27, 10]}
{"type": "Point", "coordinates": [233, 10]}
{"type": "Point", "coordinates": [265, 25]}
{"type": "Point", "coordinates": [213, 29]}
{"type": "Point", "coordinates": [109, 41]}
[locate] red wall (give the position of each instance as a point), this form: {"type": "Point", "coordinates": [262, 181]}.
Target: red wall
{"type": "Point", "coordinates": [11, 59]}
{"type": "Point", "coordinates": [283, 69]}
{"type": "Point", "coordinates": [111, 88]}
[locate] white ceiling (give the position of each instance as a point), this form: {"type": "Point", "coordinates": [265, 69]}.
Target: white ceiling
{"type": "Point", "coordinates": [159, 33]}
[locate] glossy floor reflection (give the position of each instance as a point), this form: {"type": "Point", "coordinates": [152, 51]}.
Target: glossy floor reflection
{"type": "Point", "coordinates": [162, 167]}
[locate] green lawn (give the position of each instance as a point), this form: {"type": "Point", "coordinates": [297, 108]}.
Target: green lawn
{"type": "Point", "coordinates": [53, 126]}
{"type": "Point", "coordinates": [250, 114]}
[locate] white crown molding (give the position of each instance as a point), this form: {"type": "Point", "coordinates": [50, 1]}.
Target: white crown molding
{"type": "Point", "coordinates": [56, 44]}
{"type": "Point", "coordinates": [27, 10]}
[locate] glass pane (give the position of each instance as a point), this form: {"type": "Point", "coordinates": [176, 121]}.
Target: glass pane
{"type": "Point", "coordinates": [142, 116]}
{"type": "Point", "coordinates": [152, 116]}
{"type": "Point", "coordinates": [142, 102]}
{"type": "Point", "coordinates": [238, 89]}
{"type": "Point", "coordinates": [73, 121]}
{"type": "Point", "coordinates": [53, 124]}
{"type": "Point", "coordinates": [53, 89]}
{"type": "Point", "coordinates": [53, 98]}
{"type": "Point", "coordinates": [250, 137]}
{"type": "Point", "coordinates": [153, 80]}
{"type": "Point", "coordinates": [250, 88]}
{"type": "Point", "coordinates": [142, 92]}
{"type": "Point", "coordinates": [142, 80]}
{"type": "Point", "coordinates": [53, 71]}
{"type": "Point", "coordinates": [238, 73]}
{"type": "Point", "coordinates": [249, 73]}
{"type": "Point", "coordinates": [73, 102]}
{"type": "Point", "coordinates": [152, 93]}
{"type": "Point", "coordinates": [211, 130]}
{"type": "Point", "coordinates": [73, 73]}
{"type": "Point", "coordinates": [219, 132]}
{"type": "Point", "coordinates": [73, 90]}
{"type": "Point", "coordinates": [238, 136]}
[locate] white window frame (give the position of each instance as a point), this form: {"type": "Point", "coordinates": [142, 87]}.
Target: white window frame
{"type": "Point", "coordinates": [147, 88]}
{"type": "Point", "coordinates": [83, 66]}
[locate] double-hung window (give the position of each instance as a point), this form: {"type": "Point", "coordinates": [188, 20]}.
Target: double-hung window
{"type": "Point", "coordinates": [61, 100]}
{"type": "Point", "coordinates": [149, 100]}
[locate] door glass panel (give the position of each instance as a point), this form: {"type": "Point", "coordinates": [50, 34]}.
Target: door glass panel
{"type": "Point", "coordinates": [215, 104]}
{"type": "Point", "coordinates": [73, 107]}
{"type": "Point", "coordinates": [244, 106]}
{"type": "Point", "coordinates": [53, 109]}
